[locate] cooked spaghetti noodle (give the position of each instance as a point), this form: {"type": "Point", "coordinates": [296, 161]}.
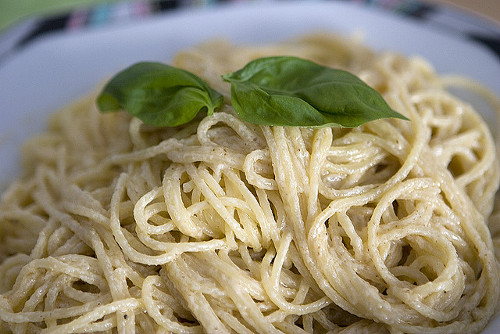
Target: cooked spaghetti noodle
{"type": "Point", "coordinates": [222, 226]}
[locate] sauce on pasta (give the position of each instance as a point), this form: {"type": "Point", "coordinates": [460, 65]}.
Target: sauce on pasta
{"type": "Point", "coordinates": [221, 226]}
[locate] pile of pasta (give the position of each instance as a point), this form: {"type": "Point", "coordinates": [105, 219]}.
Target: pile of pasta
{"type": "Point", "coordinates": [222, 226]}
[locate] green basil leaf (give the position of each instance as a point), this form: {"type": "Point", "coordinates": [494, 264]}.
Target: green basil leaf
{"type": "Point", "coordinates": [158, 94]}
{"type": "Point", "coordinates": [291, 91]}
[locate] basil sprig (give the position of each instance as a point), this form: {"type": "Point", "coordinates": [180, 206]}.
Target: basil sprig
{"type": "Point", "coordinates": [291, 91]}
{"type": "Point", "coordinates": [159, 94]}
{"type": "Point", "coordinates": [286, 91]}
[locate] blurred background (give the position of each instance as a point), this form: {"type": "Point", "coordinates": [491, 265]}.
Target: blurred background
{"type": "Point", "coordinates": [14, 11]}
{"type": "Point", "coordinates": [489, 9]}
{"type": "Point", "coordinates": [22, 21]}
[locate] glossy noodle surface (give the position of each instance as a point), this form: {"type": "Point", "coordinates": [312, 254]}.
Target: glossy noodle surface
{"type": "Point", "coordinates": [222, 226]}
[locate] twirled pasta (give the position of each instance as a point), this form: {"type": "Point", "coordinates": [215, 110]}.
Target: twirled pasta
{"type": "Point", "coordinates": [222, 226]}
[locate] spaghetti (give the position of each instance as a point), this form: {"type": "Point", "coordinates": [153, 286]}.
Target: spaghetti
{"type": "Point", "coordinates": [221, 226]}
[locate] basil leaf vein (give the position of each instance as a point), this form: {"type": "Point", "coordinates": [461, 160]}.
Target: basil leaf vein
{"type": "Point", "coordinates": [158, 94]}
{"type": "Point", "coordinates": [282, 90]}
{"type": "Point", "coordinates": [291, 91]}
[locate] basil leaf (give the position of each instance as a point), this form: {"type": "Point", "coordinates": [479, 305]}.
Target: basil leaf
{"type": "Point", "coordinates": [291, 91]}
{"type": "Point", "coordinates": [158, 94]}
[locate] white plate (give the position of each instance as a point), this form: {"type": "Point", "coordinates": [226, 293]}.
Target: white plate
{"type": "Point", "coordinates": [55, 70]}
